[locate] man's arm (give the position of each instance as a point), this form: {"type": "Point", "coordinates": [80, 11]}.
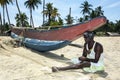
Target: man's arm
{"type": "Point", "coordinates": [98, 50]}
{"type": "Point", "coordinates": [84, 54]}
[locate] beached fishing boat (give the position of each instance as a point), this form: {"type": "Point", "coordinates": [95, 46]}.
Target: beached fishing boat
{"type": "Point", "coordinates": [40, 45]}
{"type": "Point", "coordinates": [56, 37]}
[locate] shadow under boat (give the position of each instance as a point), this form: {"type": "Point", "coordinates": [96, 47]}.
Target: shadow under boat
{"type": "Point", "coordinates": [52, 55]}
{"type": "Point", "coordinates": [76, 45]}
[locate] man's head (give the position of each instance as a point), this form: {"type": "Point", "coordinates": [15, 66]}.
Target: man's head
{"type": "Point", "coordinates": [88, 36]}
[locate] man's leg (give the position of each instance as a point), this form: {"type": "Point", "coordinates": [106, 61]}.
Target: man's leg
{"type": "Point", "coordinates": [74, 66]}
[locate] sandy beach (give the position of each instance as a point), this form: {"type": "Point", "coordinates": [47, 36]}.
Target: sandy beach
{"type": "Point", "coordinates": [25, 64]}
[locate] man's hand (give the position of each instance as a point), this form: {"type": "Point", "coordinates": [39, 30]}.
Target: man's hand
{"type": "Point", "coordinates": [82, 58]}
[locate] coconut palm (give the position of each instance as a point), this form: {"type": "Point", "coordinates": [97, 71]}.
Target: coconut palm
{"type": "Point", "coordinates": [80, 19]}
{"type": "Point", "coordinates": [92, 14]}
{"type": "Point", "coordinates": [18, 7]}
{"type": "Point", "coordinates": [55, 14]}
{"type": "Point", "coordinates": [69, 19]}
{"type": "Point", "coordinates": [51, 12]}
{"type": "Point", "coordinates": [48, 11]}
{"type": "Point", "coordinates": [43, 10]}
{"type": "Point", "coordinates": [117, 28]}
{"type": "Point", "coordinates": [0, 20]}
{"type": "Point", "coordinates": [86, 9]}
{"type": "Point", "coordinates": [60, 21]}
{"type": "Point", "coordinates": [4, 4]}
{"type": "Point", "coordinates": [7, 14]}
{"type": "Point", "coordinates": [99, 11]}
{"type": "Point", "coordinates": [32, 4]}
{"type": "Point", "coordinates": [19, 11]}
{"type": "Point", "coordinates": [21, 19]}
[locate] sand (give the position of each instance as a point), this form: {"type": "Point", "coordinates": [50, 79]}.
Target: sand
{"type": "Point", "coordinates": [26, 64]}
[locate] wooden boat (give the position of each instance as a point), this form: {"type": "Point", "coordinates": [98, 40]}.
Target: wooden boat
{"type": "Point", "coordinates": [41, 45]}
{"type": "Point", "coordinates": [66, 34]}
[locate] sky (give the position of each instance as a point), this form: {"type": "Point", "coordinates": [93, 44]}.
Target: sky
{"type": "Point", "coordinates": [111, 9]}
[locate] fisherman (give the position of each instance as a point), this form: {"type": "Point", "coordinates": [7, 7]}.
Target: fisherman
{"type": "Point", "coordinates": [91, 59]}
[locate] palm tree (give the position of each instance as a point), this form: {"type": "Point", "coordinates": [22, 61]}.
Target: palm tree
{"type": "Point", "coordinates": [117, 28]}
{"type": "Point", "coordinates": [43, 14]}
{"type": "Point", "coordinates": [21, 19]}
{"type": "Point", "coordinates": [52, 13]}
{"type": "Point", "coordinates": [19, 11]}
{"type": "Point", "coordinates": [4, 5]}
{"type": "Point", "coordinates": [48, 11]}
{"type": "Point", "coordinates": [60, 21]}
{"type": "Point", "coordinates": [80, 19]}
{"type": "Point", "coordinates": [55, 14]}
{"type": "Point", "coordinates": [31, 4]}
{"type": "Point", "coordinates": [8, 14]}
{"type": "Point", "coordinates": [92, 14]}
{"type": "Point", "coordinates": [18, 7]}
{"type": "Point", "coordinates": [99, 11]}
{"type": "Point", "coordinates": [86, 9]}
{"type": "Point", "coordinates": [69, 19]}
{"type": "Point", "coordinates": [0, 20]}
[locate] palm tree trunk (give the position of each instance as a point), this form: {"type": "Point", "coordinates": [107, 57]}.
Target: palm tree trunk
{"type": "Point", "coordinates": [43, 13]}
{"type": "Point", "coordinates": [32, 22]}
{"type": "Point", "coordinates": [70, 15]}
{"type": "Point", "coordinates": [0, 23]}
{"type": "Point", "coordinates": [31, 18]}
{"type": "Point", "coordinates": [0, 19]}
{"type": "Point", "coordinates": [7, 14]}
{"type": "Point", "coordinates": [2, 30]}
{"type": "Point", "coordinates": [18, 7]}
{"type": "Point", "coordinates": [19, 11]}
{"type": "Point", "coordinates": [3, 14]}
{"type": "Point", "coordinates": [49, 18]}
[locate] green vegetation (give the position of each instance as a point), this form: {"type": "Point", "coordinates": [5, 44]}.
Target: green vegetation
{"type": "Point", "coordinates": [21, 19]}
{"type": "Point", "coordinates": [32, 4]}
{"type": "Point", "coordinates": [53, 17]}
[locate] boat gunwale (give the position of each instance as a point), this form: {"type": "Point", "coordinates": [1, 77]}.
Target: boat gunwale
{"type": "Point", "coordinates": [62, 27]}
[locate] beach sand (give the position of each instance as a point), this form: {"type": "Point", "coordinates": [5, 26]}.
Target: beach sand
{"type": "Point", "coordinates": [26, 64]}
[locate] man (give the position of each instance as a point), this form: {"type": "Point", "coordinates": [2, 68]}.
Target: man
{"type": "Point", "coordinates": [91, 59]}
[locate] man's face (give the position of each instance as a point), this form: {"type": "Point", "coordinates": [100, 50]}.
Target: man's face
{"type": "Point", "coordinates": [87, 39]}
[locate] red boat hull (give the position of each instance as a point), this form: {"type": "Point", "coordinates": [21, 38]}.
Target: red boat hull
{"type": "Point", "coordinates": [69, 33]}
